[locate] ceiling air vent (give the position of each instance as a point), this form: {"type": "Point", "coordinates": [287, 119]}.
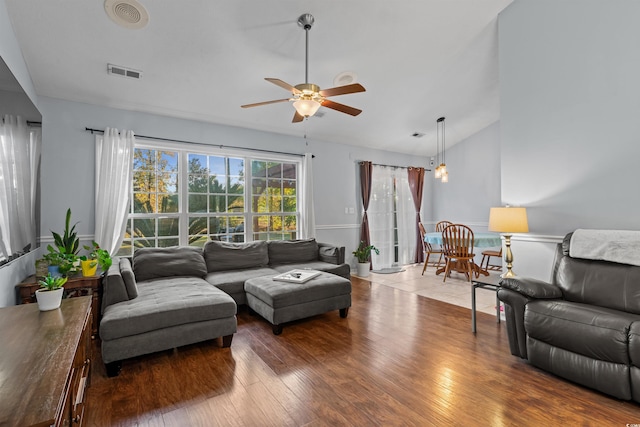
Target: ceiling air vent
{"type": "Point", "coordinates": [123, 71]}
{"type": "Point", "coordinates": [127, 13]}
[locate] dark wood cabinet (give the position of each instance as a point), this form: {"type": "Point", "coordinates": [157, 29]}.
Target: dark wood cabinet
{"type": "Point", "coordinates": [75, 287]}
{"type": "Point", "coordinates": [46, 360]}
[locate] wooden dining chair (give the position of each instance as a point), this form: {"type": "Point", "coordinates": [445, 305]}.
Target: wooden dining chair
{"type": "Point", "coordinates": [441, 225]}
{"type": "Point", "coordinates": [457, 241]}
{"type": "Point", "coordinates": [486, 255]}
{"type": "Point", "coordinates": [428, 249]}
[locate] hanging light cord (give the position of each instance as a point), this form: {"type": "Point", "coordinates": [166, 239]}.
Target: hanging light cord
{"type": "Point", "coordinates": [443, 149]}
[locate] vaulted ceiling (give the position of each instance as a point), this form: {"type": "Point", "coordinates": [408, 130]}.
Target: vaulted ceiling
{"type": "Point", "coordinates": [202, 59]}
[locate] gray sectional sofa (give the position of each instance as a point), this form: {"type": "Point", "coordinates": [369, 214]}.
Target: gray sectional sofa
{"type": "Point", "coordinates": [164, 298]}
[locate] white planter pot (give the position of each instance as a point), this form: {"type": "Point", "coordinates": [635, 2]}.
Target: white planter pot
{"type": "Point", "coordinates": [362, 269]}
{"type": "Point", "coordinates": [49, 300]}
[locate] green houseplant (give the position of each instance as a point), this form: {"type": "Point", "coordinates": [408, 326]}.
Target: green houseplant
{"type": "Point", "coordinates": [65, 253]}
{"type": "Point", "coordinates": [96, 257]}
{"type": "Point", "coordinates": [49, 296]}
{"type": "Point", "coordinates": [51, 283]}
{"type": "Point", "coordinates": [363, 254]}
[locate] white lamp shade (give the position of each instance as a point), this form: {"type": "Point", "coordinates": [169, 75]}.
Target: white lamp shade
{"type": "Point", "coordinates": [306, 107]}
{"type": "Point", "coordinates": [508, 220]}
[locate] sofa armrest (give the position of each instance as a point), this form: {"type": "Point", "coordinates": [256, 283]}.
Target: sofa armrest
{"type": "Point", "coordinates": [531, 288]}
{"type": "Point", "coordinates": [331, 253]}
{"type": "Point", "coordinates": [114, 289]}
{"type": "Point", "coordinates": [514, 306]}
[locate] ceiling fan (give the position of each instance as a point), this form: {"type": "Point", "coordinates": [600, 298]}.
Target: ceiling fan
{"type": "Point", "coordinates": [308, 97]}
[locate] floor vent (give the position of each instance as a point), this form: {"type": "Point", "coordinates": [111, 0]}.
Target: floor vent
{"type": "Point", "coordinates": [123, 71]}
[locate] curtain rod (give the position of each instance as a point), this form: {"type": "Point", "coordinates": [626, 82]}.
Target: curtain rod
{"type": "Point", "coordinates": [199, 143]}
{"type": "Point", "coordinates": [392, 166]}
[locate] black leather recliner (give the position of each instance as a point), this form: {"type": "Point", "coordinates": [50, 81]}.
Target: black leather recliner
{"type": "Point", "coordinates": [583, 326]}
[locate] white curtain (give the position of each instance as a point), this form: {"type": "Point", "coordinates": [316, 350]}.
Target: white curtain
{"type": "Point", "coordinates": [391, 211]}
{"type": "Point", "coordinates": [381, 217]}
{"type": "Point", "coordinates": [114, 174]}
{"type": "Point", "coordinates": [19, 166]}
{"type": "Point", "coordinates": [307, 217]}
{"type": "Point", "coordinates": [406, 218]}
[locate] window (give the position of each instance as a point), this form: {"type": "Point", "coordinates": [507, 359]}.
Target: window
{"type": "Point", "coordinates": [185, 197]}
{"type": "Point", "coordinates": [274, 200]}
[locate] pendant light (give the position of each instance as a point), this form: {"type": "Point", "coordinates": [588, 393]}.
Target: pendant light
{"type": "Point", "coordinates": [441, 171]}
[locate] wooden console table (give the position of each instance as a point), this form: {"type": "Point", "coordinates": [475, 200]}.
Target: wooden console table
{"type": "Point", "coordinates": [75, 287]}
{"type": "Point", "coordinates": [45, 358]}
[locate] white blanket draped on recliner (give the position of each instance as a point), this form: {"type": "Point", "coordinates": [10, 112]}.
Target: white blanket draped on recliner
{"type": "Point", "coordinates": [621, 246]}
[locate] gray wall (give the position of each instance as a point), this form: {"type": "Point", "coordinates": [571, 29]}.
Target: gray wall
{"type": "Point", "coordinates": [474, 180]}
{"type": "Point", "coordinates": [68, 166]}
{"type": "Point", "coordinates": [570, 102]}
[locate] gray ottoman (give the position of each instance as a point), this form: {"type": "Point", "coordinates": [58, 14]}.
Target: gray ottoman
{"type": "Point", "coordinates": [281, 302]}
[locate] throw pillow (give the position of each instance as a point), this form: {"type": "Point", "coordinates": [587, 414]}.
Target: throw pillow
{"type": "Point", "coordinates": [152, 263]}
{"type": "Point", "coordinates": [129, 278]}
{"type": "Point", "coordinates": [292, 251]}
{"type": "Point", "coordinates": [221, 256]}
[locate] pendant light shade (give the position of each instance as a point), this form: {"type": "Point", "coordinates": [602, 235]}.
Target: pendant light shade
{"type": "Point", "coordinates": [306, 107]}
{"type": "Point", "coordinates": [441, 171]}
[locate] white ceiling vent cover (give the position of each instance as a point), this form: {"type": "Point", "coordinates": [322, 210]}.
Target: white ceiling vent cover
{"type": "Point", "coordinates": [127, 13]}
{"type": "Point", "coordinates": [123, 71]}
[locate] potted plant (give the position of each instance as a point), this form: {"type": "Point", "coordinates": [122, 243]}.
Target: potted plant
{"type": "Point", "coordinates": [363, 254]}
{"type": "Point", "coordinates": [49, 296]}
{"type": "Point", "coordinates": [65, 253]}
{"type": "Point", "coordinates": [96, 257]}
{"type": "Point", "coordinates": [59, 264]}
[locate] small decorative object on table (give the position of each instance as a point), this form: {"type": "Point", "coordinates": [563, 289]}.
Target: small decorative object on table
{"type": "Point", "coordinates": [96, 257]}
{"type": "Point", "coordinates": [50, 295]}
{"type": "Point", "coordinates": [42, 268]}
{"type": "Point", "coordinates": [65, 253]}
{"type": "Point", "coordinates": [297, 276]}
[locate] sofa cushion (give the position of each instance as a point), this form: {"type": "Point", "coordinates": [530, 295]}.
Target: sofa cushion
{"type": "Point", "coordinates": [601, 283]}
{"type": "Point", "coordinates": [152, 263]}
{"type": "Point", "coordinates": [166, 302]}
{"type": "Point", "coordinates": [277, 294]}
{"type": "Point", "coordinates": [220, 256]}
{"type": "Point", "coordinates": [129, 278]}
{"type": "Point", "coordinates": [596, 332]}
{"type": "Point", "coordinates": [342, 270]}
{"type": "Point", "coordinates": [232, 281]}
{"type": "Point", "coordinates": [291, 251]}
{"type": "Point", "coordinates": [329, 254]}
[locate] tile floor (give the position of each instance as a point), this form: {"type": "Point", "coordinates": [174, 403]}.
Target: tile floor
{"type": "Point", "coordinates": [456, 290]}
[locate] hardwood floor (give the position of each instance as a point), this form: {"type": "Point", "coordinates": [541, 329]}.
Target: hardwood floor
{"type": "Point", "coordinates": [398, 359]}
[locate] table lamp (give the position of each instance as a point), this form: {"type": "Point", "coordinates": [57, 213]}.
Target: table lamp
{"type": "Point", "coordinates": [508, 220]}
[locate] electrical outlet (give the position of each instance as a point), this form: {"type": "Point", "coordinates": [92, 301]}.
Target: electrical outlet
{"type": "Point", "coordinates": [346, 211]}
{"type": "Point", "coordinates": [352, 211]}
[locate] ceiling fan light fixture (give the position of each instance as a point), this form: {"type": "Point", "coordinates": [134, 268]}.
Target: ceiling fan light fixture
{"type": "Point", "coordinates": [307, 97]}
{"type": "Point", "coordinates": [306, 107]}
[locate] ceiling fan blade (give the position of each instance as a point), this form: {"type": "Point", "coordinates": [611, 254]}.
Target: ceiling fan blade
{"type": "Point", "coordinates": [342, 90]}
{"type": "Point", "coordinates": [257, 104]}
{"type": "Point", "coordinates": [341, 107]}
{"type": "Point", "coordinates": [282, 84]}
{"type": "Point", "coordinates": [297, 117]}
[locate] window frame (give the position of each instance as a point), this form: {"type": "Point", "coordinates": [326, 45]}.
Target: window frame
{"type": "Point", "coordinates": [183, 151]}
